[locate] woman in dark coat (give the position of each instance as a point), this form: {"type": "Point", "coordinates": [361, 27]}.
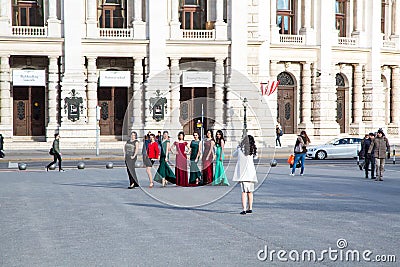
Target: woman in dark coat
{"type": "Point", "coordinates": [131, 151]}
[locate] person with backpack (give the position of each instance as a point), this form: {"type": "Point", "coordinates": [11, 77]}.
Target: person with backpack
{"type": "Point", "coordinates": [300, 151]}
{"type": "Point", "coordinates": [279, 133]}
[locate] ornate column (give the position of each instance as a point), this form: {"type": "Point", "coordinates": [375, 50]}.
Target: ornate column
{"type": "Point", "coordinates": [358, 19]}
{"type": "Point", "coordinates": [91, 19]}
{"type": "Point", "coordinates": [175, 87]}
{"type": "Point", "coordinates": [305, 118]}
{"type": "Point", "coordinates": [395, 109]}
{"type": "Point", "coordinates": [357, 126]}
{"type": "Point", "coordinates": [220, 26]}
{"type": "Point", "coordinates": [92, 90]}
{"type": "Point", "coordinates": [306, 29]}
{"type": "Point", "coordinates": [174, 24]}
{"type": "Point", "coordinates": [138, 107]}
{"type": "Point", "coordinates": [5, 17]}
{"type": "Point", "coordinates": [274, 28]}
{"type": "Point", "coordinates": [5, 102]}
{"type": "Point", "coordinates": [52, 110]}
{"type": "Point", "coordinates": [219, 94]}
{"type": "Point", "coordinates": [274, 97]}
{"type": "Point", "coordinates": [139, 26]}
{"type": "Point", "coordinates": [396, 23]}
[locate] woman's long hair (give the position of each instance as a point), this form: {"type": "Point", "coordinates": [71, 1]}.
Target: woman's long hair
{"type": "Point", "coordinates": [218, 139]}
{"type": "Point", "coordinates": [211, 133]}
{"type": "Point", "coordinates": [248, 145]}
{"type": "Point", "coordinates": [303, 133]}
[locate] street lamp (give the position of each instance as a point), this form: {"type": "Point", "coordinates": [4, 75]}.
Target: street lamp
{"type": "Point", "coordinates": [245, 117]}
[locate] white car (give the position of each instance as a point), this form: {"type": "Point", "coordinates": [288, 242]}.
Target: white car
{"type": "Point", "coordinates": [337, 148]}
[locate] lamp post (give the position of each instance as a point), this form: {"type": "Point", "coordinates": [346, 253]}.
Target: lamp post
{"type": "Point", "coordinates": [244, 118]}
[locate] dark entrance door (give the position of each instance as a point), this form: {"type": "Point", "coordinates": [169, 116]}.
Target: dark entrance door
{"type": "Point", "coordinates": [285, 106]}
{"type": "Point", "coordinates": [341, 109]}
{"type": "Point", "coordinates": [192, 101]}
{"type": "Point", "coordinates": [113, 102]}
{"type": "Point", "coordinates": [28, 111]}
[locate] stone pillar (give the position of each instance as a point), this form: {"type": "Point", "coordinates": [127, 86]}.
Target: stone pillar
{"type": "Point", "coordinates": [274, 28]}
{"type": "Point", "coordinates": [358, 31]}
{"type": "Point", "coordinates": [92, 90]}
{"type": "Point", "coordinates": [174, 24]}
{"type": "Point", "coordinates": [357, 127]}
{"type": "Point", "coordinates": [306, 29]}
{"type": "Point", "coordinates": [5, 98]}
{"type": "Point", "coordinates": [395, 109]}
{"type": "Point", "coordinates": [396, 24]}
{"type": "Point", "coordinates": [220, 26]}
{"type": "Point", "coordinates": [91, 19]}
{"type": "Point", "coordinates": [138, 106]}
{"type": "Point", "coordinates": [5, 17]}
{"type": "Point", "coordinates": [305, 118]}
{"type": "Point", "coordinates": [53, 23]}
{"type": "Point", "coordinates": [175, 86]}
{"type": "Point", "coordinates": [139, 26]}
{"type": "Point", "coordinates": [219, 94]}
{"type": "Point", "coordinates": [52, 109]}
{"type": "Point", "coordinates": [273, 99]}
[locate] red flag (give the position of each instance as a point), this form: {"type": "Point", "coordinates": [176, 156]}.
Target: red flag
{"type": "Point", "coordinates": [269, 88]}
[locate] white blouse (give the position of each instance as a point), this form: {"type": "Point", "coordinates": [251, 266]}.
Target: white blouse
{"type": "Point", "coordinates": [244, 170]}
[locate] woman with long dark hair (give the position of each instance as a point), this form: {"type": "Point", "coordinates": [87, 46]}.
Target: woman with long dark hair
{"type": "Point", "coordinates": [195, 154]}
{"type": "Point", "coordinates": [219, 174]}
{"type": "Point", "coordinates": [181, 171]}
{"type": "Point", "coordinates": [300, 151]}
{"type": "Point", "coordinates": [153, 153]}
{"type": "Point", "coordinates": [208, 158]}
{"type": "Point", "coordinates": [245, 172]}
{"type": "Point", "coordinates": [164, 172]}
{"type": "Point", "coordinates": [131, 151]}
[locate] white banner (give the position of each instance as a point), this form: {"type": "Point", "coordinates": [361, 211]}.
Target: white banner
{"type": "Point", "coordinates": [197, 79]}
{"type": "Point", "coordinates": [115, 79]}
{"type": "Point", "coordinates": [29, 77]}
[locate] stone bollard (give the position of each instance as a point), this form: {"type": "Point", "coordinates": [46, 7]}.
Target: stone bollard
{"type": "Point", "coordinates": [81, 165]}
{"type": "Point", "coordinates": [22, 166]}
{"type": "Point", "coordinates": [273, 163]}
{"type": "Point", "coordinates": [109, 165]}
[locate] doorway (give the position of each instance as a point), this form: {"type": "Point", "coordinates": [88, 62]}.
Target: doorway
{"type": "Point", "coordinates": [341, 102]}
{"type": "Point", "coordinates": [113, 102]}
{"type": "Point", "coordinates": [28, 111]}
{"type": "Point", "coordinates": [286, 102]}
{"type": "Point", "coordinates": [193, 101]}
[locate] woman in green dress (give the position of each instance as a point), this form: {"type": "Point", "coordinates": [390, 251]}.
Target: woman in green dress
{"type": "Point", "coordinates": [219, 173]}
{"type": "Point", "coordinates": [164, 172]}
{"type": "Point", "coordinates": [195, 154]}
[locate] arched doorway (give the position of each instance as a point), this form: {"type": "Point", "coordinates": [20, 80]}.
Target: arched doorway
{"type": "Point", "coordinates": [286, 102]}
{"type": "Point", "coordinates": [341, 102]}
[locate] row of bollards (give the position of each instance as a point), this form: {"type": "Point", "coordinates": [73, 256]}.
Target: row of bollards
{"type": "Point", "coordinates": [81, 165]}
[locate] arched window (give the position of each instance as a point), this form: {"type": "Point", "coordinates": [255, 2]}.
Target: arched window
{"type": "Point", "coordinates": [285, 16]}
{"type": "Point", "coordinates": [284, 78]}
{"type": "Point", "coordinates": [341, 16]}
{"type": "Point", "coordinates": [27, 13]}
{"type": "Point", "coordinates": [340, 80]}
{"type": "Point", "coordinates": [193, 14]}
{"type": "Point", "coordinates": [112, 13]}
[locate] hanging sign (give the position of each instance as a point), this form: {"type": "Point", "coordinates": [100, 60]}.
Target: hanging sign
{"type": "Point", "coordinates": [29, 77]}
{"type": "Point", "coordinates": [115, 79]}
{"type": "Point", "coordinates": [197, 79]}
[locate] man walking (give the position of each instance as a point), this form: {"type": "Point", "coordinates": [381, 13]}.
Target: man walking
{"type": "Point", "coordinates": [369, 157]}
{"type": "Point", "coordinates": [57, 153]}
{"type": "Point", "coordinates": [380, 146]}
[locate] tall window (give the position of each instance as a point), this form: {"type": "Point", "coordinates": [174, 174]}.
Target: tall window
{"type": "Point", "coordinates": [285, 16]}
{"type": "Point", "coordinates": [341, 16]}
{"type": "Point", "coordinates": [193, 14]}
{"type": "Point", "coordinates": [27, 13]}
{"type": "Point", "coordinates": [112, 13]}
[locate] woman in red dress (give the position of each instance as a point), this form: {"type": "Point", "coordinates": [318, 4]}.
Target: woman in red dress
{"type": "Point", "coordinates": [208, 157]}
{"type": "Point", "coordinates": [181, 169]}
{"type": "Point", "coordinates": [153, 153]}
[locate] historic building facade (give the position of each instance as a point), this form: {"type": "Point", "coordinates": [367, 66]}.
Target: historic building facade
{"type": "Point", "coordinates": [337, 62]}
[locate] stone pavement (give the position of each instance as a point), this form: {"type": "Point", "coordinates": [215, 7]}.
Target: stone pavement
{"type": "Point", "coordinates": [89, 218]}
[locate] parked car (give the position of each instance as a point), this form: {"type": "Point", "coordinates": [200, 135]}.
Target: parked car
{"type": "Point", "coordinates": [337, 148]}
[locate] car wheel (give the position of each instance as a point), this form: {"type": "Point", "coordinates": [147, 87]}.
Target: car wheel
{"type": "Point", "coordinates": [320, 154]}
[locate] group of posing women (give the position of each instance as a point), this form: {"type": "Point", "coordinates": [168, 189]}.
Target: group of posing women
{"type": "Point", "coordinates": [155, 149]}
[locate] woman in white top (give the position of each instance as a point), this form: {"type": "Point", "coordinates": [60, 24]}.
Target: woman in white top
{"type": "Point", "coordinates": [245, 172]}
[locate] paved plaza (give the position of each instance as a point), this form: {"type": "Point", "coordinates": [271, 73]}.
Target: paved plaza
{"type": "Point", "coordinates": [89, 218]}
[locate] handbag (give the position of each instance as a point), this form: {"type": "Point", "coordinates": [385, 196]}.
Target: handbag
{"type": "Point", "coordinates": [51, 151]}
{"type": "Point", "coordinates": [291, 160]}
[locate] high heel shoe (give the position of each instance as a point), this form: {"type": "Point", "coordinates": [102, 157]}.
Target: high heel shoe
{"type": "Point", "coordinates": [163, 183]}
{"type": "Point", "coordinates": [151, 185]}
